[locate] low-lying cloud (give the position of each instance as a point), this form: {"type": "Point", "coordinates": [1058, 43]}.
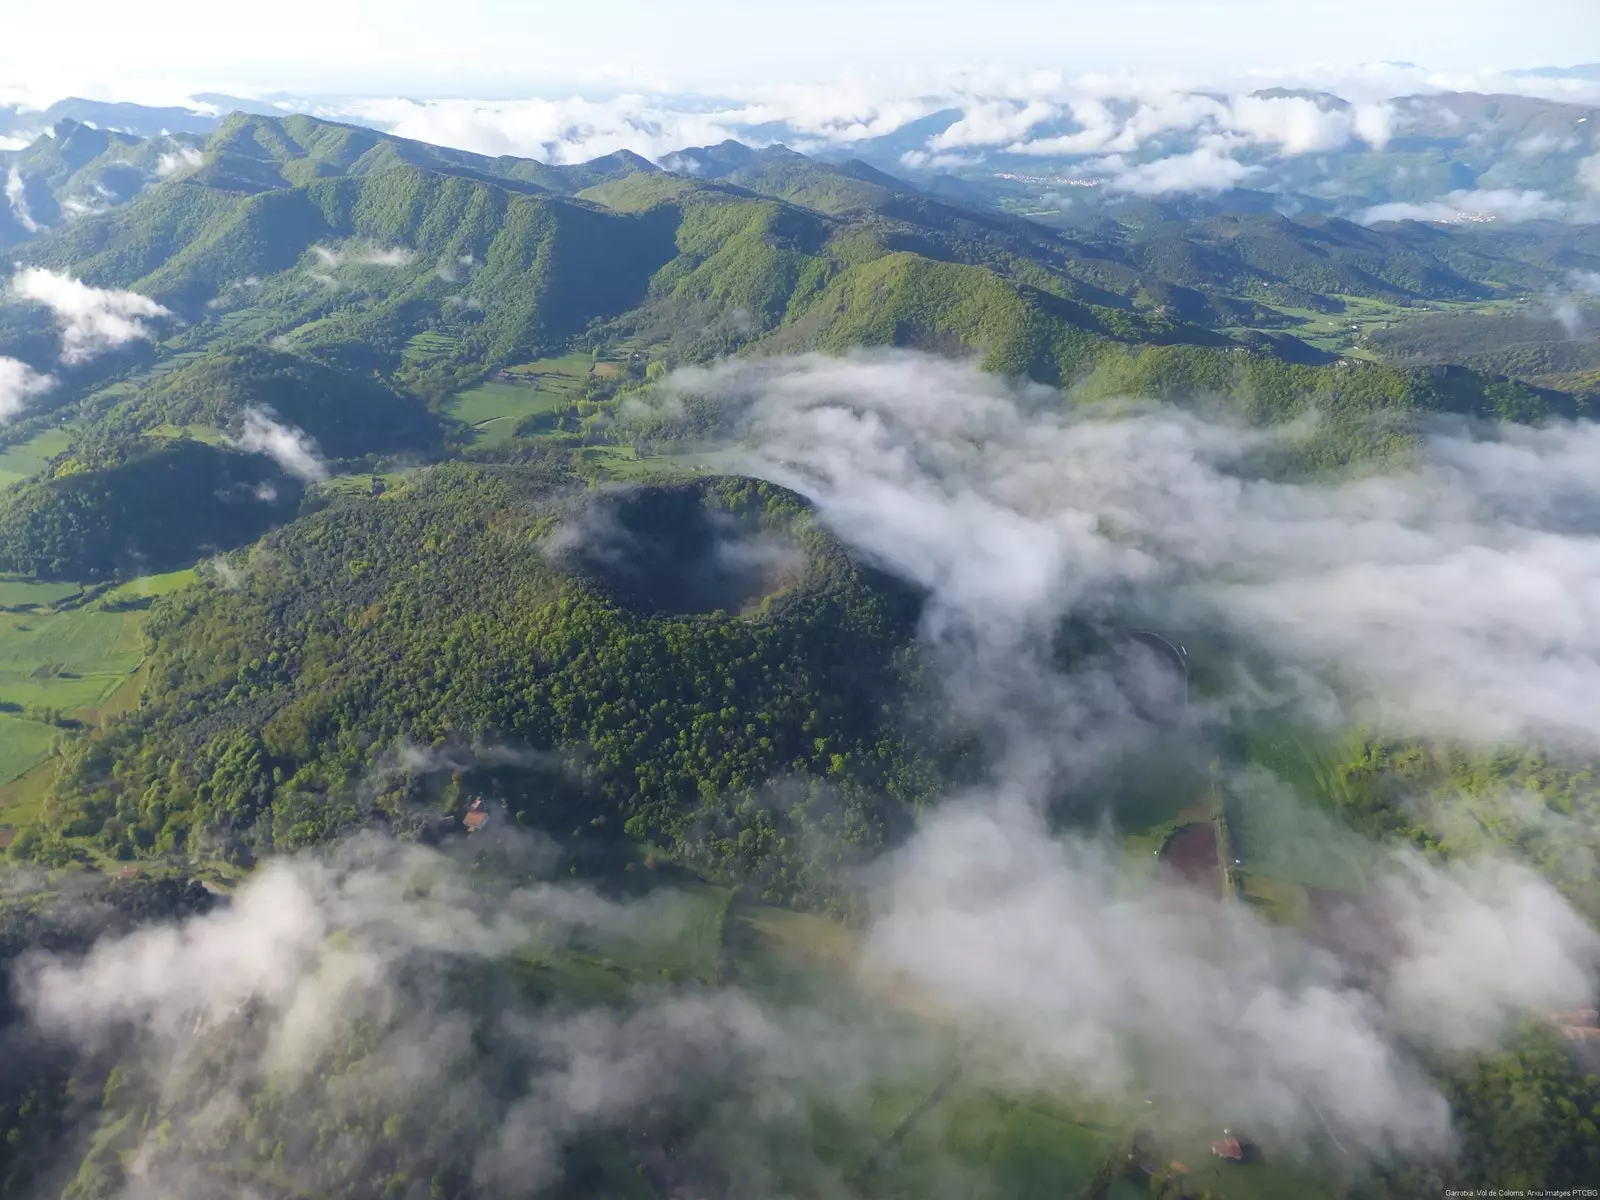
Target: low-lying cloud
{"type": "Point", "coordinates": [1464, 204]}
{"type": "Point", "coordinates": [1208, 168]}
{"type": "Point", "coordinates": [362, 256]}
{"type": "Point", "coordinates": [91, 320]}
{"type": "Point", "coordinates": [287, 445]}
{"type": "Point", "coordinates": [1037, 941]}
{"type": "Point", "coordinates": [1457, 599]}
{"type": "Point", "coordinates": [374, 990]}
{"type": "Point", "coordinates": [19, 383]}
{"type": "Point", "coordinates": [177, 160]}
{"type": "Point", "coordinates": [17, 200]}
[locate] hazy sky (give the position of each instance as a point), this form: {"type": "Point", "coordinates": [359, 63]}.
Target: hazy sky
{"type": "Point", "coordinates": [168, 47]}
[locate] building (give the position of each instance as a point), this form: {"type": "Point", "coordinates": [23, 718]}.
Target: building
{"type": "Point", "coordinates": [1228, 1147]}
{"type": "Point", "coordinates": [476, 817]}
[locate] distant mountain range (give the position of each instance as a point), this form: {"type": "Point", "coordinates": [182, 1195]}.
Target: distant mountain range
{"type": "Point", "coordinates": [1493, 156]}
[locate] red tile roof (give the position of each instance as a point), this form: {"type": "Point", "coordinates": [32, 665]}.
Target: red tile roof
{"type": "Point", "coordinates": [1228, 1147]}
{"type": "Point", "coordinates": [474, 819]}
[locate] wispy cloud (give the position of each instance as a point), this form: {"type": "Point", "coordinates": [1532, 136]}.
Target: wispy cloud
{"type": "Point", "coordinates": [19, 383]}
{"type": "Point", "coordinates": [363, 256]}
{"type": "Point", "coordinates": [1036, 939]}
{"type": "Point", "coordinates": [1589, 173]}
{"type": "Point", "coordinates": [1500, 204]}
{"type": "Point", "coordinates": [1207, 168]}
{"type": "Point", "coordinates": [183, 158]}
{"type": "Point", "coordinates": [92, 320]}
{"type": "Point", "coordinates": [1458, 599]}
{"type": "Point", "coordinates": [287, 445]}
{"type": "Point", "coordinates": [17, 199]}
{"type": "Point", "coordinates": [576, 129]}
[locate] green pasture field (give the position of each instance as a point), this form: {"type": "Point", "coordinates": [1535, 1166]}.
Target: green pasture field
{"type": "Point", "coordinates": [76, 661]}
{"type": "Point", "coordinates": [35, 593]}
{"type": "Point", "coordinates": [428, 345]}
{"type": "Point", "coordinates": [1271, 1180]}
{"type": "Point", "coordinates": [1344, 332]}
{"type": "Point", "coordinates": [494, 407]}
{"type": "Point", "coordinates": [65, 659]}
{"type": "Point", "coordinates": [195, 433]}
{"type": "Point", "coordinates": [148, 587]}
{"type": "Point", "coordinates": [678, 935]}
{"type": "Point", "coordinates": [22, 744]}
{"type": "Point", "coordinates": [624, 463]}
{"type": "Point", "coordinates": [1280, 835]}
{"type": "Point", "coordinates": [249, 322]}
{"type": "Point", "coordinates": [360, 482]}
{"type": "Point", "coordinates": [1039, 1155]}
{"type": "Point", "coordinates": [27, 459]}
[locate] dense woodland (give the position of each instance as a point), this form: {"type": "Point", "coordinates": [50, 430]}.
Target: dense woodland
{"type": "Point", "coordinates": [742, 741]}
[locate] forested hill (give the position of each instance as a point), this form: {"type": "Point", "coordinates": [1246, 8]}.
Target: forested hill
{"type": "Point", "coordinates": [448, 612]}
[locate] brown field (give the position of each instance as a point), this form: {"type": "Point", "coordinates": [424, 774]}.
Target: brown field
{"type": "Point", "coordinates": [1191, 853]}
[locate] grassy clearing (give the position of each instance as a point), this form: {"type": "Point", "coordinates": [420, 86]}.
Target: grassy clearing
{"type": "Point", "coordinates": [147, 587]}
{"type": "Point", "coordinates": [360, 482]}
{"type": "Point", "coordinates": [1280, 902]}
{"type": "Point", "coordinates": [27, 459]}
{"type": "Point", "coordinates": [248, 322]}
{"type": "Point", "coordinates": [495, 407]}
{"type": "Point", "coordinates": [167, 431]}
{"type": "Point", "coordinates": [624, 463]}
{"type": "Point", "coordinates": [678, 935]}
{"type": "Point", "coordinates": [1248, 1180]}
{"type": "Point", "coordinates": [428, 346]}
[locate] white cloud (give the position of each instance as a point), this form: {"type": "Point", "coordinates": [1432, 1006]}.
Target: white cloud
{"type": "Point", "coordinates": [1500, 204]}
{"type": "Point", "coordinates": [1543, 143]}
{"type": "Point", "coordinates": [1037, 941]}
{"type": "Point", "coordinates": [1294, 124]}
{"type": "Point", "coordinates": [1208, 168]}
{"type": "Point", "coordinates": [993, 123]}
{"type": "Point", "coordinates": [290, 447]}
{"type": "Point", "coordinates": [182, 158]}
{"type": "Point", "coordinates": [19, 383]}
{"type": "Point", "coordinates": [1121, 116]}
{"type": "Point", "coordinates": [1374, 124]}
{"type": "Point", "coordinates": [17, 198]}
{"type": "Point", "coordinates": [921, 160]}
{"type": "Point", "coordinates": [1589, 173]}
{"type": "Point", "coordinates": [92, 320]}
{"type": "Point", "coordinates": [363, 256]}
{"type": "Point", "coordinates": [1456, 600]}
